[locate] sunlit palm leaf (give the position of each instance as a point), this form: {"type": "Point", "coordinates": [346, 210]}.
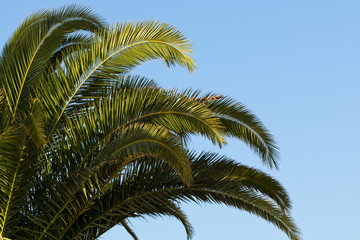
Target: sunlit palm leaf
{"type": "Point", "coordinates": [27, 53]}
{"type": "Point", "coordinates": [111, 53]}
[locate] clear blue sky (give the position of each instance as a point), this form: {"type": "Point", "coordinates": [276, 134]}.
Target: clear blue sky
{"type": "Point", "coordinates": [296, 64]}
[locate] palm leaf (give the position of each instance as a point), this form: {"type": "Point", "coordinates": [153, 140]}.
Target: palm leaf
{"type": "Point", "coordinates": [105, 118]}
{"type": "Point", "coordinates": [125, 224]}
{"type": "Point", "coordinates": [11, 152]}
{"type": "Point", "coordinates": [142, 191]}
{"type": "Point", "coordinates": [245, 126]}
{"type": "Point", "coordinates": [27, 53]}
{"type": "Point", "coordinates": [111, 52]}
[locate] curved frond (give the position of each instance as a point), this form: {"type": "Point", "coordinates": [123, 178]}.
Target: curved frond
{"type": "Point", "coordinates": [140, 190]}
{"type": "Point", "coordinates": [28, 51]}
{"type": "Point", "coordinates": [105, 212]}
{"type": "Point", "coordinates": [101, 121]}
{"type": "Point", "coordinates": [125, 224]}
{"type": "Point", "coordinates": [140, 139]}
{"type": "Point", "coordinates": [245, 126]}
{"type": "Point", "coordinates": [244, 176]}
{"type": "Point", "coordinates": [111, 53]}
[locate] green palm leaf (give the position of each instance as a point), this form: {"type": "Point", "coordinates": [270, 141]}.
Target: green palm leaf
{"type": "Point", "coordinates": [245, 126]}
{"type": "Point", "coordinates": [128, 229]}
{"type": "Point", "coordinates": [27, 53]}
{"type": "Point", "coordinates": [110, 53]}
{"type": "Point", "coordinates": [140, 191]}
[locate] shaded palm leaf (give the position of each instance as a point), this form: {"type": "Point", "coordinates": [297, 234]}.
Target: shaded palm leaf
{"type": "Point", "coordinates": [146, 186]}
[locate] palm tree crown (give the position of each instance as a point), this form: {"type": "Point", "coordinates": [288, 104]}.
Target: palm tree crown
{"type": "Point", "coordinates": [84, 145]}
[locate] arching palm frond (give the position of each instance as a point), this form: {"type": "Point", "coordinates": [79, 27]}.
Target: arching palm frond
{"type": "Point", "coordinates": [114, 131]}
{"type": "Point", "coordinates": [240, 123]}
{"type": "Point", "coordinates": [87, 130]}
{"type": "Point", "coordinates": [147, 186]}
{"type": "Point", "coordinates": [29, 50]}
{"type": "Point", "coordinates": [88, 71]}
{"type": "Point", "coordinates": [125, 224]}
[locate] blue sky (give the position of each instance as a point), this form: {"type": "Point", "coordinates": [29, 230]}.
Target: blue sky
{"type": "Point", "coordinates": [296, 65]}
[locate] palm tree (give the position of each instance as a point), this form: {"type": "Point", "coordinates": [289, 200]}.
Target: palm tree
{"type": "Point", "coordinates": [84, 145]}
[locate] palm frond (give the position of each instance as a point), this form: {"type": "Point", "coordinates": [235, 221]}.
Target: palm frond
{"type": "Point", "coordinates": [135, 140]}
{"type": "Point", "coordinates": [125, 224]}
{"type": "Point", "coordinates": [141, 191]}
{"type": "Point", "coordinates": [101, 121]}
{"type": "Point", "coordinates": [110, 54]}
{"type": "Point", "coordinates": [28, 51]}
{"type": "Point", "coordinates": [245, 126]}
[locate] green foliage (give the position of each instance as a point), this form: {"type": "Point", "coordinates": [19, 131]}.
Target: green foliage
{"type": "Point", "coordinates": [85, 146]}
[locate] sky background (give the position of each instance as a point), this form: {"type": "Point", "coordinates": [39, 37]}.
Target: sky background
{"type": "Point", "coordinates": [295, 64]}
